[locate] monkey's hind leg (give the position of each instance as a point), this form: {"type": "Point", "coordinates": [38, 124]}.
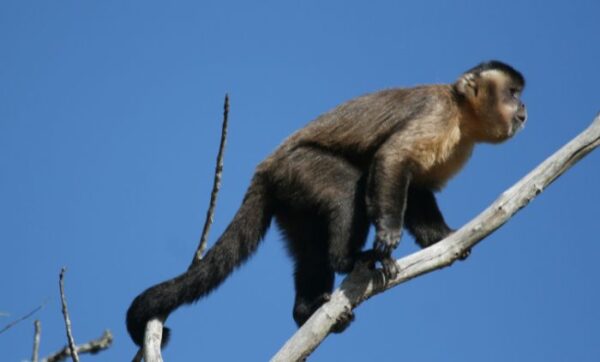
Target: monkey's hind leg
{"type": "Point", "coordinates": [348, 222]}
{"type": "Point", "coordinates": [314, 278]}
{"type": "Point", "coordinates": [322, 214]}
{"type": "Point", "coordinates": [313, 275]}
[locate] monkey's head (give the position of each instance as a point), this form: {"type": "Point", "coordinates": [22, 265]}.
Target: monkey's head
{"type": "Point", "coordinates": [492, 92]}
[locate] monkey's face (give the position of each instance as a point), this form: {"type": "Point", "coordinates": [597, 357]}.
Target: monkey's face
{"type": "Point", "coordinates": [499, 107]}
{"type": "Point", "coordinates": [512, 110]}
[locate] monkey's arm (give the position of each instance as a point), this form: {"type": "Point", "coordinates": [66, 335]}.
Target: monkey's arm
{"type": "Point", "coordinates": [423, 217]}
{"type": "Point", "coordinates": [387, 192]}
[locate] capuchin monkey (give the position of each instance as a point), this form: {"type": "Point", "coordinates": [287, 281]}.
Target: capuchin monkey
{"type": "Point", "coordinates": [375, 160]}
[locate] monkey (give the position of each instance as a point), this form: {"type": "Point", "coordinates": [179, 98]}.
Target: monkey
{"type": "Point", "coordinates": [376, 160]}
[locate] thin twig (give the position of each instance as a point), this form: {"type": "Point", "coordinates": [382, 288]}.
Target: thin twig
{"type": "Point", "coordinates": [362, 284]}
{"type": "Point", "coordinates": [65, 312]}
{"type": "Point", "coordinates": [139, 356]}
{"type": "Point", "coordinates": [36, 340]}
{"type": "Point", "coordinates": [15, 322]}
{"type": "Point", "coordinates": [216, 187]}
{"type": "Point", "coordinates": [93, 347]}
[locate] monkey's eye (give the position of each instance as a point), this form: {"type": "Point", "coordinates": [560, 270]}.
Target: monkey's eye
{"type": "Point", "coordinates": [514, 92]}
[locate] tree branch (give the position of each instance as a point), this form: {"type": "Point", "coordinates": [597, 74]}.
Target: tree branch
{"type": "Point", "coordinates": [153, 333]}
{"type": "Point", "coordinates": [93, 347]}
{"type": "Point", "coordinates": [216, 187]}
{"type": "Point", "coordinates": [152, 341]}
{"type": "Point", "coordinates": [362, 284]}
{"type": "Point", "coordinates": [65, 312]}
{"type": "Point", "coordinates": [36, 341]}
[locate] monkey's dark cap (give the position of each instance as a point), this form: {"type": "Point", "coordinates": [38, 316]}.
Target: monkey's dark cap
{"type": "Point", "coordinates": [503, 67]}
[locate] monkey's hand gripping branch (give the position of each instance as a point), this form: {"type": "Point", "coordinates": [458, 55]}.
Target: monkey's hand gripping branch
{"type": "Point", "coordinates": [362, 283]}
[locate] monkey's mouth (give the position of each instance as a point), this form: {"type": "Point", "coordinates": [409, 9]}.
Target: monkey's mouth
{"type": "Point", "coordinates": [518, 121]}
{"type": "Point", "coordinates": [517, 124]}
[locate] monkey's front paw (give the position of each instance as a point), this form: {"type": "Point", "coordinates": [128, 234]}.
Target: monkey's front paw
{"type": "Point", "coordinates": [386, 241]}
{"type": "Point", "coordinates": [319, 301]}
{"type": "Point", "coordinates": [389, 267]}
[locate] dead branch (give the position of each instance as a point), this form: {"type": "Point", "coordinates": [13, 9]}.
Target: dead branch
{"type": "Point", "coordinates": [65, 312]}
{"type": "Point", "coordinates": [36, 341]}
{"type": "Point", "coordinates": [153, 334]}
{"type": "Point", "coordinates": [216, 187]}
{"type": "Point", "coordinates": [362, 284]}
{"type": "Point", "coordinates": [152, 341]}
{"type": "Point", "coordinates": [93, 347]}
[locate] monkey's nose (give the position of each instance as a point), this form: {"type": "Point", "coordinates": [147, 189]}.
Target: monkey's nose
{"type": "Point", "coordinates": [521, 115]}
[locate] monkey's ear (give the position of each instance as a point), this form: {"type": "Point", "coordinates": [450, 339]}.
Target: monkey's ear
{"type": "Point", "coordinates": [467, 85]}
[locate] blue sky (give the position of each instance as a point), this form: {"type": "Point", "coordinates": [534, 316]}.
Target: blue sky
{"type": "Point", "coordinates": [110, 115]}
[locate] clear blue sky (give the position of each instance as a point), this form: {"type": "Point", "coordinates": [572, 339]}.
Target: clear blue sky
{"type": "Point", "coordinates": [110, 114]}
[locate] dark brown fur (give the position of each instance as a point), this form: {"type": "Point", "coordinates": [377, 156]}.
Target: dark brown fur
{"type": "Point", "coordinates": [375, 160]}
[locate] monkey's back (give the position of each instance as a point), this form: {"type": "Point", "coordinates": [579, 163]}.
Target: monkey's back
{"type": "Point", "coordinates": [357, 128]}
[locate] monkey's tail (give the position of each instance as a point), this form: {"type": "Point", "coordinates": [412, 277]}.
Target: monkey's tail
{"type": "Point", "coordinates": [238, 242]}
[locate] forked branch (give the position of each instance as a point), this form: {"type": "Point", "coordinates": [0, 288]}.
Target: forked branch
{"type": "Point", "coordinates": [93, 347]}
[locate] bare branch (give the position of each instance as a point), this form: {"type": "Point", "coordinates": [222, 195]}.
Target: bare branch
{"type": "Point", "coordinates": [65, 312]}
{"type": "Point", "coordinates": [152, 341]}
{"type": "Point", "coordinates": [36, 341]}
{"type": "Point", "coordinates": [216, 187]}
{"type": "Point", "coordinates": [362, 284]}
{"type": "Point", "coordinates": [93, 347]}
{"type": "Point", "coordinates": [153, 334]}
{"type": "Point", "coordinates": [17, 321]}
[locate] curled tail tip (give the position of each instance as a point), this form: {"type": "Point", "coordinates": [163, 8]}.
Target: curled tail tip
{"type": "Point", "coordinates": [141, 311]}
{"type": "Point", "coordinates": [135, 325]}
{"type": "Point", "coordinates": [166, 337]}
{"type": "Point", "coordinates": [236, 244]}
{"type": "Point", "coordinates": [139, 339]}
{"type": "Point", "coordinates": [136, 319]}
{"type": "Point", "coordinates": [137, 331]}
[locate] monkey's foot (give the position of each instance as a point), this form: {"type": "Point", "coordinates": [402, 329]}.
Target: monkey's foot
{"type": "Point", "coordinates": [465, 254]}
{"type": "Point", "coordinates": [342, 264]}
{"type": "Point", "coordinates": [343, 322]}
{"type": "Point", "coordinates": [319, 301]}
{"type": "Point", "coordinates": [304, 308]}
